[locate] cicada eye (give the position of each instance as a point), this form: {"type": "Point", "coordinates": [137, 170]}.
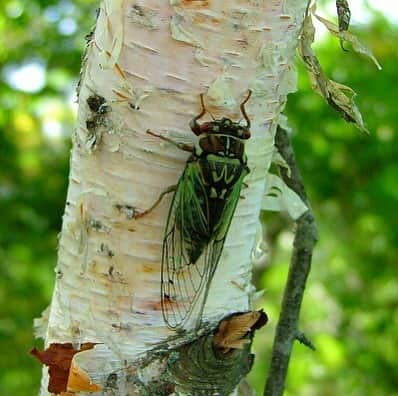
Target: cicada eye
{"type": "Point", "coordinates": [240, 132]}
{"type": "Point", "coordinates": [246, 134]}
{"type": "Point", "coordinates": [195, 127]}
{"type": "Point", "coordinates": [205, 128]}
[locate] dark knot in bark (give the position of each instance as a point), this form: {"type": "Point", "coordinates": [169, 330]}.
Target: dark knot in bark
{"type": "Point", "coordinates": [198, 369]}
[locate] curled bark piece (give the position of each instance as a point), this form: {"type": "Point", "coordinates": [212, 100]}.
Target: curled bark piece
{"type": "Point", "coordinates": [58, 358]}
{"type": "Point", "coordinates": [232, 332]}
{"type": "Point", "coordinates": [79, 381]}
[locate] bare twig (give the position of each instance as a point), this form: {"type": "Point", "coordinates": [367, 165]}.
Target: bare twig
{"type": "Point", "coordinates": [303, 339]}
{"type": "Point", "coordinates": [304, 242]}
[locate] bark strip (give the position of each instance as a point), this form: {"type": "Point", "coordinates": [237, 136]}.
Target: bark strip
{"type": "Point", "coordinates": [304, 242]}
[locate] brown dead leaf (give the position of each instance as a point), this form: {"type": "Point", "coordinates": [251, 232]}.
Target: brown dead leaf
{"type": "Point", "coordinates": [357, 46]}
{"type": "Point", "coordinates": [232, 332]}
{"type": "Point", "coordinates": [338, 96]}
{"type": "Point", "coordinates": [344, 16]}
{"type": "Point", "coordinates": [58, 358]}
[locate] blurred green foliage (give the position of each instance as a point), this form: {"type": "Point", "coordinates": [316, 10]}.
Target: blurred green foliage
{"type": "Point", "coordinates": [350, 308]}
{"type": "Point", "coordinates": [40, 51]}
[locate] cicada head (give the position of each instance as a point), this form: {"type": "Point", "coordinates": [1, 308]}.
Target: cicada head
{"type": "Point", "coordinates": [223, 126]}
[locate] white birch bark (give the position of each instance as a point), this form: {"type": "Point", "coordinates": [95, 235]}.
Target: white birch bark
{"type": "Point", "coordinates": [150, 60]}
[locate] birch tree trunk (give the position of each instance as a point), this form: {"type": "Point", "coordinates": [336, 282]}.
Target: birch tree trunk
{"type": "Point", "coordinates": [145, 66]}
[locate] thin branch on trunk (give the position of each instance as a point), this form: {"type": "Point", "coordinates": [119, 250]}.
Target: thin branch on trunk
{"type": "Point", "coordinates": [305, 238]}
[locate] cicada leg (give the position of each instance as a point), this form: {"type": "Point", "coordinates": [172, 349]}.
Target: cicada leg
{"type": "Point", "coordinates": [157, 202]}
{"type": "Point", "coordinates": [181, 146]}
{"type": "Point", "coordinates": [244, 186]}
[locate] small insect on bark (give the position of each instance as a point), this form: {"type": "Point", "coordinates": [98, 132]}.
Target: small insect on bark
{"type": "Point", "coordinates": [200, 214]}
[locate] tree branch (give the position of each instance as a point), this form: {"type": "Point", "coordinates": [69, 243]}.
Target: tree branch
{"type": "Point", "coordinates": [305, 238]}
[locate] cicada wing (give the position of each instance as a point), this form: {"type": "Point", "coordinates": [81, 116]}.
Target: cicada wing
{"type": "Point", "coordinates": [214, 249]}
{"type": "Point", "coordinates": [185, 284]}
{"type": "Point", "coordinates": [182, 280]}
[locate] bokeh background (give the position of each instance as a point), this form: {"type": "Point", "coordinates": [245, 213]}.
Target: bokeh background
{"type": "Point", "coordinates": [350, 307]}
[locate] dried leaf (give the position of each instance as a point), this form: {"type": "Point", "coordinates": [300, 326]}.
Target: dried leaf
{"type": "Point", "coordinates": [338, 96]}
{"type": "Point", "coordinates": [344, 14]}
{"type": "Point", "coordinates": [344, 17]}
{"type": "Point", "coordinates": [58, 358]}
{"type": "Point", "coordinates": [232, 332]}
{"type": "Point", "coordinates": [357, 46]}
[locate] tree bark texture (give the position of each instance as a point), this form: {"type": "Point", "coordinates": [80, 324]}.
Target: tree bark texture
{"type": "Point", "coordinates": [146, 64]}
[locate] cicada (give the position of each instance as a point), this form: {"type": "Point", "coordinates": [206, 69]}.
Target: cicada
{"type": "Point", "coordinates": [200, 214]}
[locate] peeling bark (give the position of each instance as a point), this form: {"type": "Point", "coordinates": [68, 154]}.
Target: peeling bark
{"type": "Point", "coordinates": [144, 68]}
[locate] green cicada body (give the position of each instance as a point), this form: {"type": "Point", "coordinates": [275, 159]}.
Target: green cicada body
{"type": "Point", "coordinates": [200, 214]}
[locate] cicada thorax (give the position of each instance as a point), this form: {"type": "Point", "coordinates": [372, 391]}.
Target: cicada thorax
{"type": "Point", "coordinates": [221, 145]}
{"type": "Point", "coordinates": [222, 161]}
